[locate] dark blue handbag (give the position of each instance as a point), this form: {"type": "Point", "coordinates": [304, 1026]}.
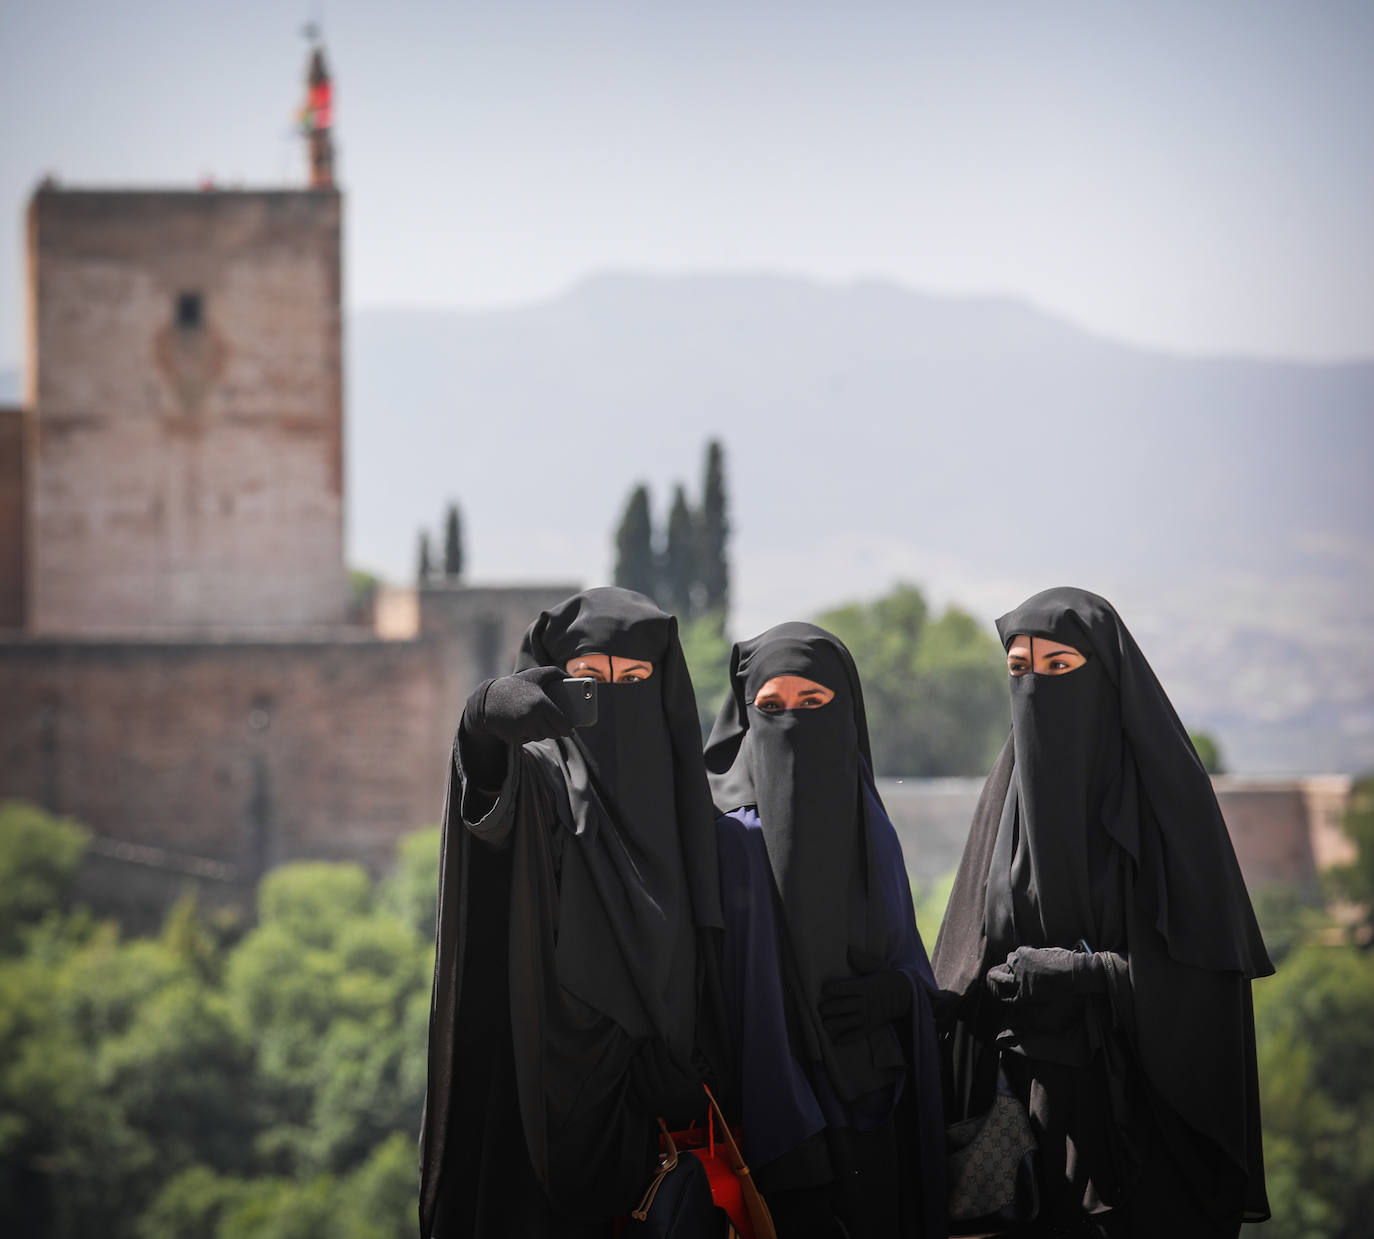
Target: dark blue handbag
{"type": "Point", "coordinates": [677, 1204]}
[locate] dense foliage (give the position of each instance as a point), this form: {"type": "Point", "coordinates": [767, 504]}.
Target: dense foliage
{"type": "Point", "coordinates": [935, 687]}
{"type": "Point", "coordinates": [196, 1087]}
{"type": "Point", "coordinates": [210, 1084]}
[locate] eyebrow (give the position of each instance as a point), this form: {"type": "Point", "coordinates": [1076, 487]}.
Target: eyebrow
{"type": "Point", "coordinates": [636, 665]}
{"type": "Point", "coordinates": [1053, 653]}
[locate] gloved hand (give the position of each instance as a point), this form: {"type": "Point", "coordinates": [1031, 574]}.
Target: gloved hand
{"type": "Point", "coordinates": [859, 1005]}
{"type": "Point", "coordinates": [515, 708]}
{"type": "Point", "coordinates": [661, 1086]}
{"type": "Point", "coordinates": [1046, 974]}
{"type": "Point", "coordinates": [944, 1006]}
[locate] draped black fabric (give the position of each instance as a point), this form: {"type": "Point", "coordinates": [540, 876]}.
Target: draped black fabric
{"type": "Point", "coordinates": [568, 916]}
{"type": "Point", "coordinates": [801, 769]}
{"type": "Point", "coordinates": [628, 625]}
{"type": "Point", "coordinates": [836, 882]}
{"type": "Point", "coordinates": [1099, 824]}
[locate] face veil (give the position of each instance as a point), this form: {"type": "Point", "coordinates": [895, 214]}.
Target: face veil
{"type": "Point", "coordinates": [1053, 874]}
{"type": "Point", "coordinates": [642, 875]}
{"type": "Point", "coordinates": [1104, 774]}
{"type": "Point", "coordinates": [806, 771]}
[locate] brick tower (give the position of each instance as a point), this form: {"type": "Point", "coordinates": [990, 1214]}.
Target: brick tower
{"type": "Point", "coordinates": [185, 390]}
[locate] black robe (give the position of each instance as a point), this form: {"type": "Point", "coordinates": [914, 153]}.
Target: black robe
{"type": "Point", "coordinates": [812, 874]}
{"type": "Point", "coordinates": [566, 937]}
{"type": "Point", "coordinates": [1145, 1098]}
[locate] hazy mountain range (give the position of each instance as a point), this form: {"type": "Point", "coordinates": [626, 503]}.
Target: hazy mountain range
{"type": "Point", "coordinates": [976, 446]}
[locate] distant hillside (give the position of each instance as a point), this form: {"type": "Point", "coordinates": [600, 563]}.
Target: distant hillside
{"type": "Point", "coordinates": [976, 446]}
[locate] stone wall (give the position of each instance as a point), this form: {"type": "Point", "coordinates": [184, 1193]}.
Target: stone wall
{"type": "Point", "coordinates": [209, 761]}
{"type": "Point", "coordinates": [1283, 830]}
{"type": "Point", "coordinates": [186, 373]}
{"type": "Point", "coordinates": [13, 442]}
{"type": "Point", "coordinates": [249, 753]}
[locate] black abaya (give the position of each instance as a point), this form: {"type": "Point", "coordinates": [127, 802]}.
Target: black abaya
{"type": "Point", "coordinates": [569, 908]}
{"type": "Point", "coordinates": [1098, 828]}
{"type": "Point", "coordinates": [814, 880]}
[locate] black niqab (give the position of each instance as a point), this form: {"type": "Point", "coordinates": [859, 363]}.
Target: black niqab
{"type": "Point", "coordinates": [801, 768]}
{"type": "Point", "coordinates": [1098, 822]}
{"type": "Point", "coordinates": [643, 876]}
{"type": "Point", "coordinates": [1188, 874]}
{"type": "Point", "coordinates": [568, 914]}
{"type": "Point", "coordinates": [1052, 871]}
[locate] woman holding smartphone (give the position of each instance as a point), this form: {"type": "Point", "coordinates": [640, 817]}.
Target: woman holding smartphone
{"type": "Point", "coordinates": [577, 872]}
{"type": "Point", "coordinates": [1101, 944]}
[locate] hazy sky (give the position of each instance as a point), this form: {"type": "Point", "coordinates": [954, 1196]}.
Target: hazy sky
{"type": "Point", "coordinates": [1193, 176]}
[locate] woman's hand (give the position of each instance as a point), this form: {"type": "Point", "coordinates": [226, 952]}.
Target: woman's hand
{"type": "Point", "coordinates": [856, 1006]}
{"type": "Point", "coordinates": [516, 709]}
{"type": "Point", "coordinates": [1046, 974]}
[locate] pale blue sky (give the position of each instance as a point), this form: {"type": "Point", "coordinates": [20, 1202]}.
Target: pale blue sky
{"type": "Point", "coordinates": [1193, 176]}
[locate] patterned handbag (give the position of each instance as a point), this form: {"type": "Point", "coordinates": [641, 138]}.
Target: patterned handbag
{"type": "Point", "coordinates": [993, 1166]}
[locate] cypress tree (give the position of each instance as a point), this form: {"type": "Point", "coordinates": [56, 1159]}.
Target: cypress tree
{"type": "Point", "coordinates": [680, 559]}
{"type": "Point", "coordinates": [423, 570]}
{"type": "Point", "coordinates": [453, 544]}
{"type": "Point", "coordinates": [635, 565]}
{"type": "Point", "coordinates": [713, 567]}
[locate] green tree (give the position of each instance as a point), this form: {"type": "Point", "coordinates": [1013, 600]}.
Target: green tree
{"type": "Point", "coordinates": [1288, 915]}
{"type": "Point", "coordinates": [453, 544]}
{"type": "Point", "coordinates": [1208, 751]}
{"type": "Point", "coordinates": [173, 1086]}
{"type": "Point", "coordinates": [39, 854]}
{"type": "Point", "coordinates": [679, 572]}
{"type": "Point", "coordinates": [935, 689]}
{"type": "Point", "coordinates": [707, 651]}
{"type": "Point", "coordinates": [423, 568]}
{"type": "Point", "coordinates": [636, 566]}
{"type": "Point", "coordinates": [362, 590]}
{"type": "Point", "coordinates": [410, 892]}
{"type": "Point", "coordinates": [1355, 881]}
{"type": "Point", "coordinates": [713, 534]}
{"type": "Point", "coordinates": [1312, 1025]}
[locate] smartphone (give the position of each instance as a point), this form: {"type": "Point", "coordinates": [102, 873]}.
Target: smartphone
{"type": "Point", "coordinates": [577, 699]}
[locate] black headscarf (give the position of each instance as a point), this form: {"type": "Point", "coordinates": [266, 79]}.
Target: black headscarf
{"type": "Point", "coordinates": [566, 935]}
{"type": "Point", "coordinates": [1087, 745]}
{"type": "Point", "coordinates": [1098, 822]}
{"type": "Point", "coordinates": [802, 770]}
{"type": "Point", "coordinates": [643, 817]}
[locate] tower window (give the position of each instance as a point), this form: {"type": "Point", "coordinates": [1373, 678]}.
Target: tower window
{"type": "Point", "coordinates": [190, 311]}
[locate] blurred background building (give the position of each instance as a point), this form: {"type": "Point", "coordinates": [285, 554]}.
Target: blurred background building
{"type": "Point", "coordinates": [180, 665]}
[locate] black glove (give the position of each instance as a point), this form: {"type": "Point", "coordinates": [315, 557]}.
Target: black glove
{"type": "Point", "coordinates": [1046, 974]}
{"type": "Point", "coordinates": [859, 1005]}
{"type": "Point", "coordinates": [515, 708]}
{"type": "Point", "coordinates": [944, 1006]}
{"type": "Point", "coordinates": [661, 1086]}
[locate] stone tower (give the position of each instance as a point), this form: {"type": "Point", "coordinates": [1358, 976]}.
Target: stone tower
{"type": "Point", "coordinates": [185, 390]}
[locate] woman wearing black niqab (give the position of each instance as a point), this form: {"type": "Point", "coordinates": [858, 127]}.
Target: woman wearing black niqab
{"type": "Point", "coordinates": [826, 982]}
{"type": "Point", "coordinates": [577, 872]}
{"type": "Point", "coordinates": [1099, 936]}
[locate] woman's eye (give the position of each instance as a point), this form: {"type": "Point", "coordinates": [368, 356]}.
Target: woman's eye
{"type": "Point", "coordinates": [631, 677]}
{"type": "Point", "coordinates": [1017, 669]}
{"type": "Point", "coordinates": [769, 707]}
